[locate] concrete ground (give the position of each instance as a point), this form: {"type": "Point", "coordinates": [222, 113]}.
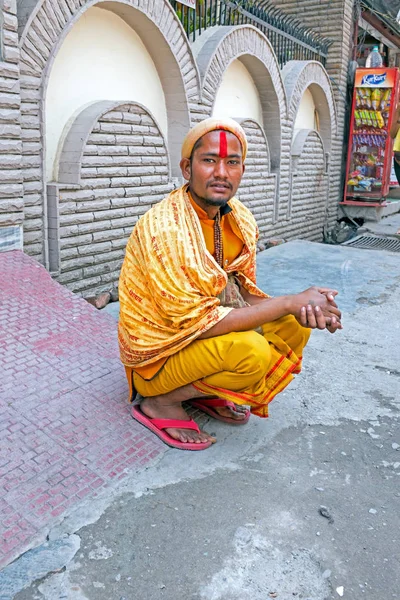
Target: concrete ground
{"type": "Point", "coordinates": [302, 505]}
{"type": "Point", "coordinates": [386, 227]}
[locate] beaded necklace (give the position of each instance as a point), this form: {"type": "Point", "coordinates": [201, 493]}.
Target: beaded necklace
{"type": "Point", "coordinates": [218, 247]}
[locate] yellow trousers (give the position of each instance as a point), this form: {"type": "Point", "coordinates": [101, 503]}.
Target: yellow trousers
{"type": "Point", "coordinates": [244, 367]}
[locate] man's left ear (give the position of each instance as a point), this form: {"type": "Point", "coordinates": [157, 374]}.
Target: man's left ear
{"type": "Point", "coordinates": [185, 168]}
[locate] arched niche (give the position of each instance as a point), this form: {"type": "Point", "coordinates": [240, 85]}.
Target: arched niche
{"type": "Point", "coordinates": [251, 47]}
{"type": "Point", "coordinates": [85, 70]}
{"type": "Point", "coordinates": [113, 168]}
{"type": "Point", "coordinates": [302, 76]}
{"type": "Point", "coordinates": [163, 35]}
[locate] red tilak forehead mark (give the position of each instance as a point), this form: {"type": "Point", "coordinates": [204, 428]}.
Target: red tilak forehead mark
{"type": "Point", "coordinates": [223, 145]}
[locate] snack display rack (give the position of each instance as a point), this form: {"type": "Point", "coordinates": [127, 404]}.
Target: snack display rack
{"type": "Point", "coordinates": [370, 150]}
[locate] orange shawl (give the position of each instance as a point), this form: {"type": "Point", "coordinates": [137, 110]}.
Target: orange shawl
{"type": "Point", "coordinates": [169, 281]}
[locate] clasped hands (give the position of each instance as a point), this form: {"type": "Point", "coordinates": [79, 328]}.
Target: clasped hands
{"type": "Point", "coordinates": [316, 308]}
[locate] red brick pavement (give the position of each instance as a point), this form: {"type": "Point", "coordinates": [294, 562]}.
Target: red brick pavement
{"type": "Point", "coordinates": [65, 427]}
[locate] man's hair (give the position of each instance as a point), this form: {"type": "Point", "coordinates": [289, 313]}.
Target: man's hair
{"type": "Point", "coordinates": [195, 147]}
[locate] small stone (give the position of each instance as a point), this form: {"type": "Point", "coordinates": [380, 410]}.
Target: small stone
{"type": "Point", "coordinates": [371, 433]}
{"type": "Point", "coordinates": [372, 511]}
{"type": "Point", "coordinates": [319, 489]}
{"type": "Point", "coordinates": [324, 512]}
{"type": "Point", "coordinates": [114, 295]}
{"type": "Point", "coordinates": [162, 586]}
{"type": "Point", "coordinates": [99, 301]}
{"type": "Point", "coordinates": [340, 590]}
{"type": "Point", "coordinates": [274, 242]}
{"type": "Point", "coordinates": [102, 300]}
{"type": "Point", "coordinates": [395, 446]}
{"type": "Point", "coordinates": [118, 577]}
{"type": "Point", "coordinates": [326, 574]}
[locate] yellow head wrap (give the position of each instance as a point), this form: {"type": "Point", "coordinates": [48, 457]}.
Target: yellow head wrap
{"type": "Point", "coordinates": [213, 124]}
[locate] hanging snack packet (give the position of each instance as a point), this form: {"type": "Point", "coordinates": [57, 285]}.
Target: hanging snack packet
{"type": "Point", "coordinates": [385, 100]}
{"type": "Point", "coordinates": [372, 116]}
{"type": "Point", "coordinates": [363, 114]}
{"type": "Point", "coordinates": [367, 97]}
{"type": "Point", "coordinates": [379, 118]}
{"type": "Point", "coordinates": [376, 98]}
{"type": "Point", "coordinates": [368, 117]}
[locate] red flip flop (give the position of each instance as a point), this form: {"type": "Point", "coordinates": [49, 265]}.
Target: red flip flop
{"type": "Point", "coordinates": [157, 426]}
{"type": "Point", "coordinates": [207, 404]}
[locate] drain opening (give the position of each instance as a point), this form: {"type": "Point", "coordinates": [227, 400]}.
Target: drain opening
{"type": "Point", "coordinates": [374, 242]}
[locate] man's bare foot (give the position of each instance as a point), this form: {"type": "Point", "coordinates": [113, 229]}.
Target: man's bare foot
{"type": "Point", "coordinates": [156, 409]}
{"type": "Point", "coordinates": [237, 412]}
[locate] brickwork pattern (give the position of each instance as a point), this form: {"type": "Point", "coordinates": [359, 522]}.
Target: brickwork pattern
{"type": "Point", "coordinates": [11, 197]}
{"type": "Point", "coordinates": [257, 190]}
{"type": "Point", "coordinates": [50, 22]}
{"type": "Point", "coordinates": [124, 172]}
{"type": "Point", "coordinates": [280, 96]}
{"type": "Point", "coordinates": [308, 206]}
{"type": "Point", "coordinates": [302, 75]}
{"type": "Point", "coordinates": [65, 428]}
{"type": "Point", "coordinates": [324, 20]}
{"type": "Point", "coordinates": [121, 178]}
{"type": "Point", "coordinates": [299, 76]}
{"type": "Point", "coordinates": [254, 50]}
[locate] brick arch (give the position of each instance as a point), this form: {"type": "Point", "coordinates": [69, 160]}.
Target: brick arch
{"type": "Point", "coordinates": [113, 167]}
{"type": "Point", "coordinates": [126, 122]}
{"type": "Point", "coordinates": [258, 188]}
{"type": "Point", "coordinates": [252, 48]}
{"type": "Point", "coordinates": [45, 30]}
{"type": "Point", "coordinates": [298, 76]}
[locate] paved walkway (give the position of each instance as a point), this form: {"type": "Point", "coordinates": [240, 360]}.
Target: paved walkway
{"type": "Point", "coordinates": [65, 429]}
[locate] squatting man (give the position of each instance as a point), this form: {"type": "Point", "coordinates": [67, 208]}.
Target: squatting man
{"type": "Point", "coordinates": [194, 327]}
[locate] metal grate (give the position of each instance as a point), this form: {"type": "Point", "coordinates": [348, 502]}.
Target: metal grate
{"type": "Point", "coordinates": [289, 39]}
{"type": "Point", "coordinates": [374, 242]}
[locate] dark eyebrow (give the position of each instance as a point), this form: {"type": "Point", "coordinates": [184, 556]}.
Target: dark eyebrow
{"type": "Point", "coordinates": [214, 154]}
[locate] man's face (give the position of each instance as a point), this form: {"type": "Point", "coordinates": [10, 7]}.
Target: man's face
{"type": "Point", "coordinates": [216, 168]}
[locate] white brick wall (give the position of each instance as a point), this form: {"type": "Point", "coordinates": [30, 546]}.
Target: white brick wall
{"type": "Point", "coordinates": [124, 166]}
{"type": "Point", "coordinates": [11, 197]}
{"type": "Point", "coordinates": [124, 172]}
{"type": "Point", "coordinates": [333, 20]}
{"type": "Point", "coordinates": [309, 189]}
{"type": "Point", "coordinates": [258, 187]}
